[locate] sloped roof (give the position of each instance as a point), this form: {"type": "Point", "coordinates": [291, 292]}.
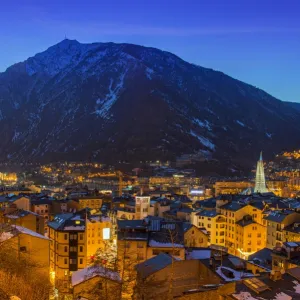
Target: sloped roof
{"type": "Point", "coordinates": [154, 264]}
{"type": "Point", "coordinates": [91, 272]}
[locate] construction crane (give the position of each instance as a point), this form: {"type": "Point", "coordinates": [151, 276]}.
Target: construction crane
{"type": "Point", "coordinates": [120, 176]}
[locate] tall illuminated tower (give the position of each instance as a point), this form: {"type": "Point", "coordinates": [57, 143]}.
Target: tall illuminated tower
{"type": "Point", "coordinates": [260, 180]}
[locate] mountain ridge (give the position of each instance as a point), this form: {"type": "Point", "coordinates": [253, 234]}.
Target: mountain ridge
{"type": "Point", "coordinates": [128, 102]}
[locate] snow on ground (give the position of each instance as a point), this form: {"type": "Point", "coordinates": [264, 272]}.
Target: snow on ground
{"type": "Point", "coordinates": [153, 243]}
{"type": "Point", "coordinates": [241, 123]}
{"type": "Point", "coordinates": [90, 272]}
{"type": "Point", "coordinates": [204, 141]}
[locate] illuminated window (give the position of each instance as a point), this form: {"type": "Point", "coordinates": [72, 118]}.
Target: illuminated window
{"type": "Point", "coordinates": [77, 222]}
{"type": "Point", "coordinates": [106, 233]}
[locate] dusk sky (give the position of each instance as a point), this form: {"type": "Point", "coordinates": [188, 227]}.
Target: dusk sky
{"type": "Point", "coordinates": [256, 41]}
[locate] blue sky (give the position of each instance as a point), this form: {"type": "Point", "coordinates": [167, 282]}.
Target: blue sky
{"type": "Point", "coordinates": [256, 41]}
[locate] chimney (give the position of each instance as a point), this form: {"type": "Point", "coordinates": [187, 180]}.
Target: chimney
{"type": "Point", "coordinates": [276, 274]}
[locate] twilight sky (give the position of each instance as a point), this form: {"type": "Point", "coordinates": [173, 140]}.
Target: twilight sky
{"type": "Point", "coordinates": [256, 41]}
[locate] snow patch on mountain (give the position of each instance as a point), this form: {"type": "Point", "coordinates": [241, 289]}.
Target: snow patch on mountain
{"type": "Point", "coordinates": [204, 141]}
{"type": "Point", "coordinates": [269, 135]}
{"type": "Point", "coordinates": [240, 123]}
{"type": "Point", "coordinates": [204, 124]}
{"type": "Point", "coordinates": [16, 135]}
{"type": "Point", "coordinates": [149, 73]}
{"type": "Point", "coordinates": [104, 105]}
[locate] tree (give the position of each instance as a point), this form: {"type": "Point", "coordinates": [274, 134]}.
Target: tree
{"type": "Point", "coordinates": [19, 274]}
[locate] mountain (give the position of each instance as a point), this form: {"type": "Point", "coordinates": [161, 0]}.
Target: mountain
{"type": "Point", "coordinates": [110, 102]}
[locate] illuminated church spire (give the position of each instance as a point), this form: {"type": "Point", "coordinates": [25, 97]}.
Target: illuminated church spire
{"type": "Point", "coordinates": [260, 180]}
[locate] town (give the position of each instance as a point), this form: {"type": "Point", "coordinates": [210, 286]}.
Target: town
{"type": "Point", "coordinates": [90, 231]}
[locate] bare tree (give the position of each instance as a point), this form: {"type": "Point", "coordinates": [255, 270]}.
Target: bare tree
{"type": "Point", "coordinates": [19, 274]}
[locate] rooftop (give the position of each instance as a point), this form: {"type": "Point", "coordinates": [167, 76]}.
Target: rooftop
{"type": "Point", "coordinates": [91, 272]}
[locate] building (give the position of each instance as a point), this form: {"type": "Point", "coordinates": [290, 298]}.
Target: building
{"type": "Point", "coordinates": [13, 201]}
{"type": "Point", "coordinates": [80, 202]}
{"type": "Point", "coordinates": [163, 277]}
{"type": "Point", "coordinates": [96, 281]}
{"type": "Point", "coordinates": [231, 187]}
{"type": "Point", "coordinates": [241, 219]}
{"type": "Point", "coordinates": [142, 207]}
{"type": "Point", "coordinates": [194, 236]}
{"type": "Point", "coordinates": [27, 244]}
{"type": "Point", "coordinates": [260, 181]}
{"type": "Point", "coordinates": [277, 221]}
{"type": "Point", "coordinates": [42, 207]}
{"type": "Point", "coordinates": [99, 229]}
{"type": "Point", "coordinates": [23, 218]}
{"type": "Point", "coordinates": [67, 251]}
{"type": "Point", "coordinates": [214, 223]}
{"type": "Point", "coordinates": [274, 285]}
{"type": "Point", "coordinates": [250, 236]}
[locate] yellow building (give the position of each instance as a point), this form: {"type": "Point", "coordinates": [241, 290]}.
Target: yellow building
{"type": "Point", "coordinates": [231, 187]}
{"type": "Point", "coordinates": [94, 202]}
{"type": "Point", "coordinates": [28, 244]}
{"type": "Point", "coordinates": [250, 236]}
{"type": "Point", "coordinates": [277, 221]}
{"type": "Point", "coordinates": [23, 218]}
{"type": "Point", "coordinates": [99, 229]}
{"type": "Point", "coordinates": [214, 223]}
{"type": "Point", "coordinates": [9, 178]}
{"type": "Point", "coordinates": [162, 277]}
{"type": "Point", "coordinates": [75, 240]}
{"type": "Point", "coordinates": [234, 213]}
{"type": "Point", "coordinates": [291, 232]}
{"type": "Point", "coordinates": [194, 236]}
{"type": "Point", "coordinates": [67, 251]}
{"type": "Point", "coordinates": [96, 282]}
{"type": "Point", "coordinates": [13, 201]}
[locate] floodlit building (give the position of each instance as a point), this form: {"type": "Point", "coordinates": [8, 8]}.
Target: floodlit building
{"type": "Point", "coordinates": [27, 244]}
{"type": "Point", "coordinates": [277, 222]}
{"type": "Point", "coordinates": [260, 180]}
{"type": "Point", "coordinates": [214, 223]}
{"type": "Point", "coordinates": [67, 251]}
{"type": "Point", "coordinates": [96, 281]}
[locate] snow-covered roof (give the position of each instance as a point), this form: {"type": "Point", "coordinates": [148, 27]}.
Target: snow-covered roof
{"type": "Point", "coordinates": [153, 243]}
{"type": "Point", "coordinates": [237, 275]}
{"type": "Point", "coordinates": [90, 272]}
{"type": "Point", "coordinates": [199, 254]}
{"type": "Point", "coordinates": [5, 236]}
{"type": "Point", "coordinates": [15, 230]}
{"type": "Point", "coordinates": [74, 228]}
{"type": "Point", "coordinates": [30, 232]}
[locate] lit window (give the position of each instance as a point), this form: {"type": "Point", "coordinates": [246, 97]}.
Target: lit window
{"type": "Point", "coordinates": [106, 233]}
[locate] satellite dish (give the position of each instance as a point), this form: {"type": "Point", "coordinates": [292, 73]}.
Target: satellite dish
{"type": "Point", "coordinates": [282, 271]}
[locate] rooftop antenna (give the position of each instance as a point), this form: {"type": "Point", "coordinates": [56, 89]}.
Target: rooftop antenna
{"type": "Point", "coordinates": [65, 37]}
